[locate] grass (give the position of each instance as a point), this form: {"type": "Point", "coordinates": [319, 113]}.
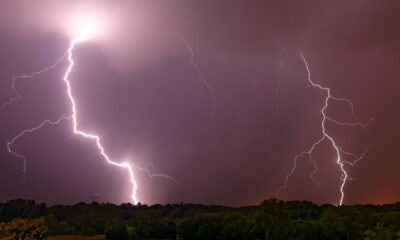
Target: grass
{"type": "Point", "coordinates": [100, 237]}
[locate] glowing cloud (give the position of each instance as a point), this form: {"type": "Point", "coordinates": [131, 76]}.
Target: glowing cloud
{"type": "Point", "coordinates": [84, 28]}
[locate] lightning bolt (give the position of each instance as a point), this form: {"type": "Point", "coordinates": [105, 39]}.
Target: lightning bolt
{"type": "Point", "coordinates": [18, 96]}
{"type": "Point", "coordinates": [278, 92]}
{"type": "Point", "coordinates": [126, 164]}
{"type": "Point", "coordinates": [339, 152]}
{"type": "Point", "coordinates": [276, 97]}
{"type": "Point", "coordinates": [203, 80]}
{"type": "Point", "coordinates": [278, 88]}
{"type": "Point", "coordinates": [157, 175]}
{"type": "Point", "coordinates": [26, 131]}
{"type": "Point", "coordinates": [201, 77]}
{"type": "Point", "coordinates": [96, 138]}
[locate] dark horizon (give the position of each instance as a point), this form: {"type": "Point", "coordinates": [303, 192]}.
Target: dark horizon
{"type": "Point", "coordinates": [201, 204]}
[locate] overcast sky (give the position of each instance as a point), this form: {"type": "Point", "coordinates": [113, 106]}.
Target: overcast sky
{"type": "Point", "coordinates": [214, 122]}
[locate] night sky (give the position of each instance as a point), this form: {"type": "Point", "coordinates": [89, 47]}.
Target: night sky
{"type": "Point", "coordinates": [136, 87]}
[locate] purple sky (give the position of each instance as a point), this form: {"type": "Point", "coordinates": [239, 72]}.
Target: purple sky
{"type": "Point", "coordinates": [137, 89]}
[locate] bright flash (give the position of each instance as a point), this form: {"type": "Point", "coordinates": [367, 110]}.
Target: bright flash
{"type": "Point", "coordinates": [85, 28]}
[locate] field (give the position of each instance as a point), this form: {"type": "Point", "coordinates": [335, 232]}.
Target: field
{"type": "Point", "coordinates": [100, 237]}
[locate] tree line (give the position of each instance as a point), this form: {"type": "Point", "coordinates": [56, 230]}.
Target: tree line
{"type": "Point", "coordinates": [271, 220]}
